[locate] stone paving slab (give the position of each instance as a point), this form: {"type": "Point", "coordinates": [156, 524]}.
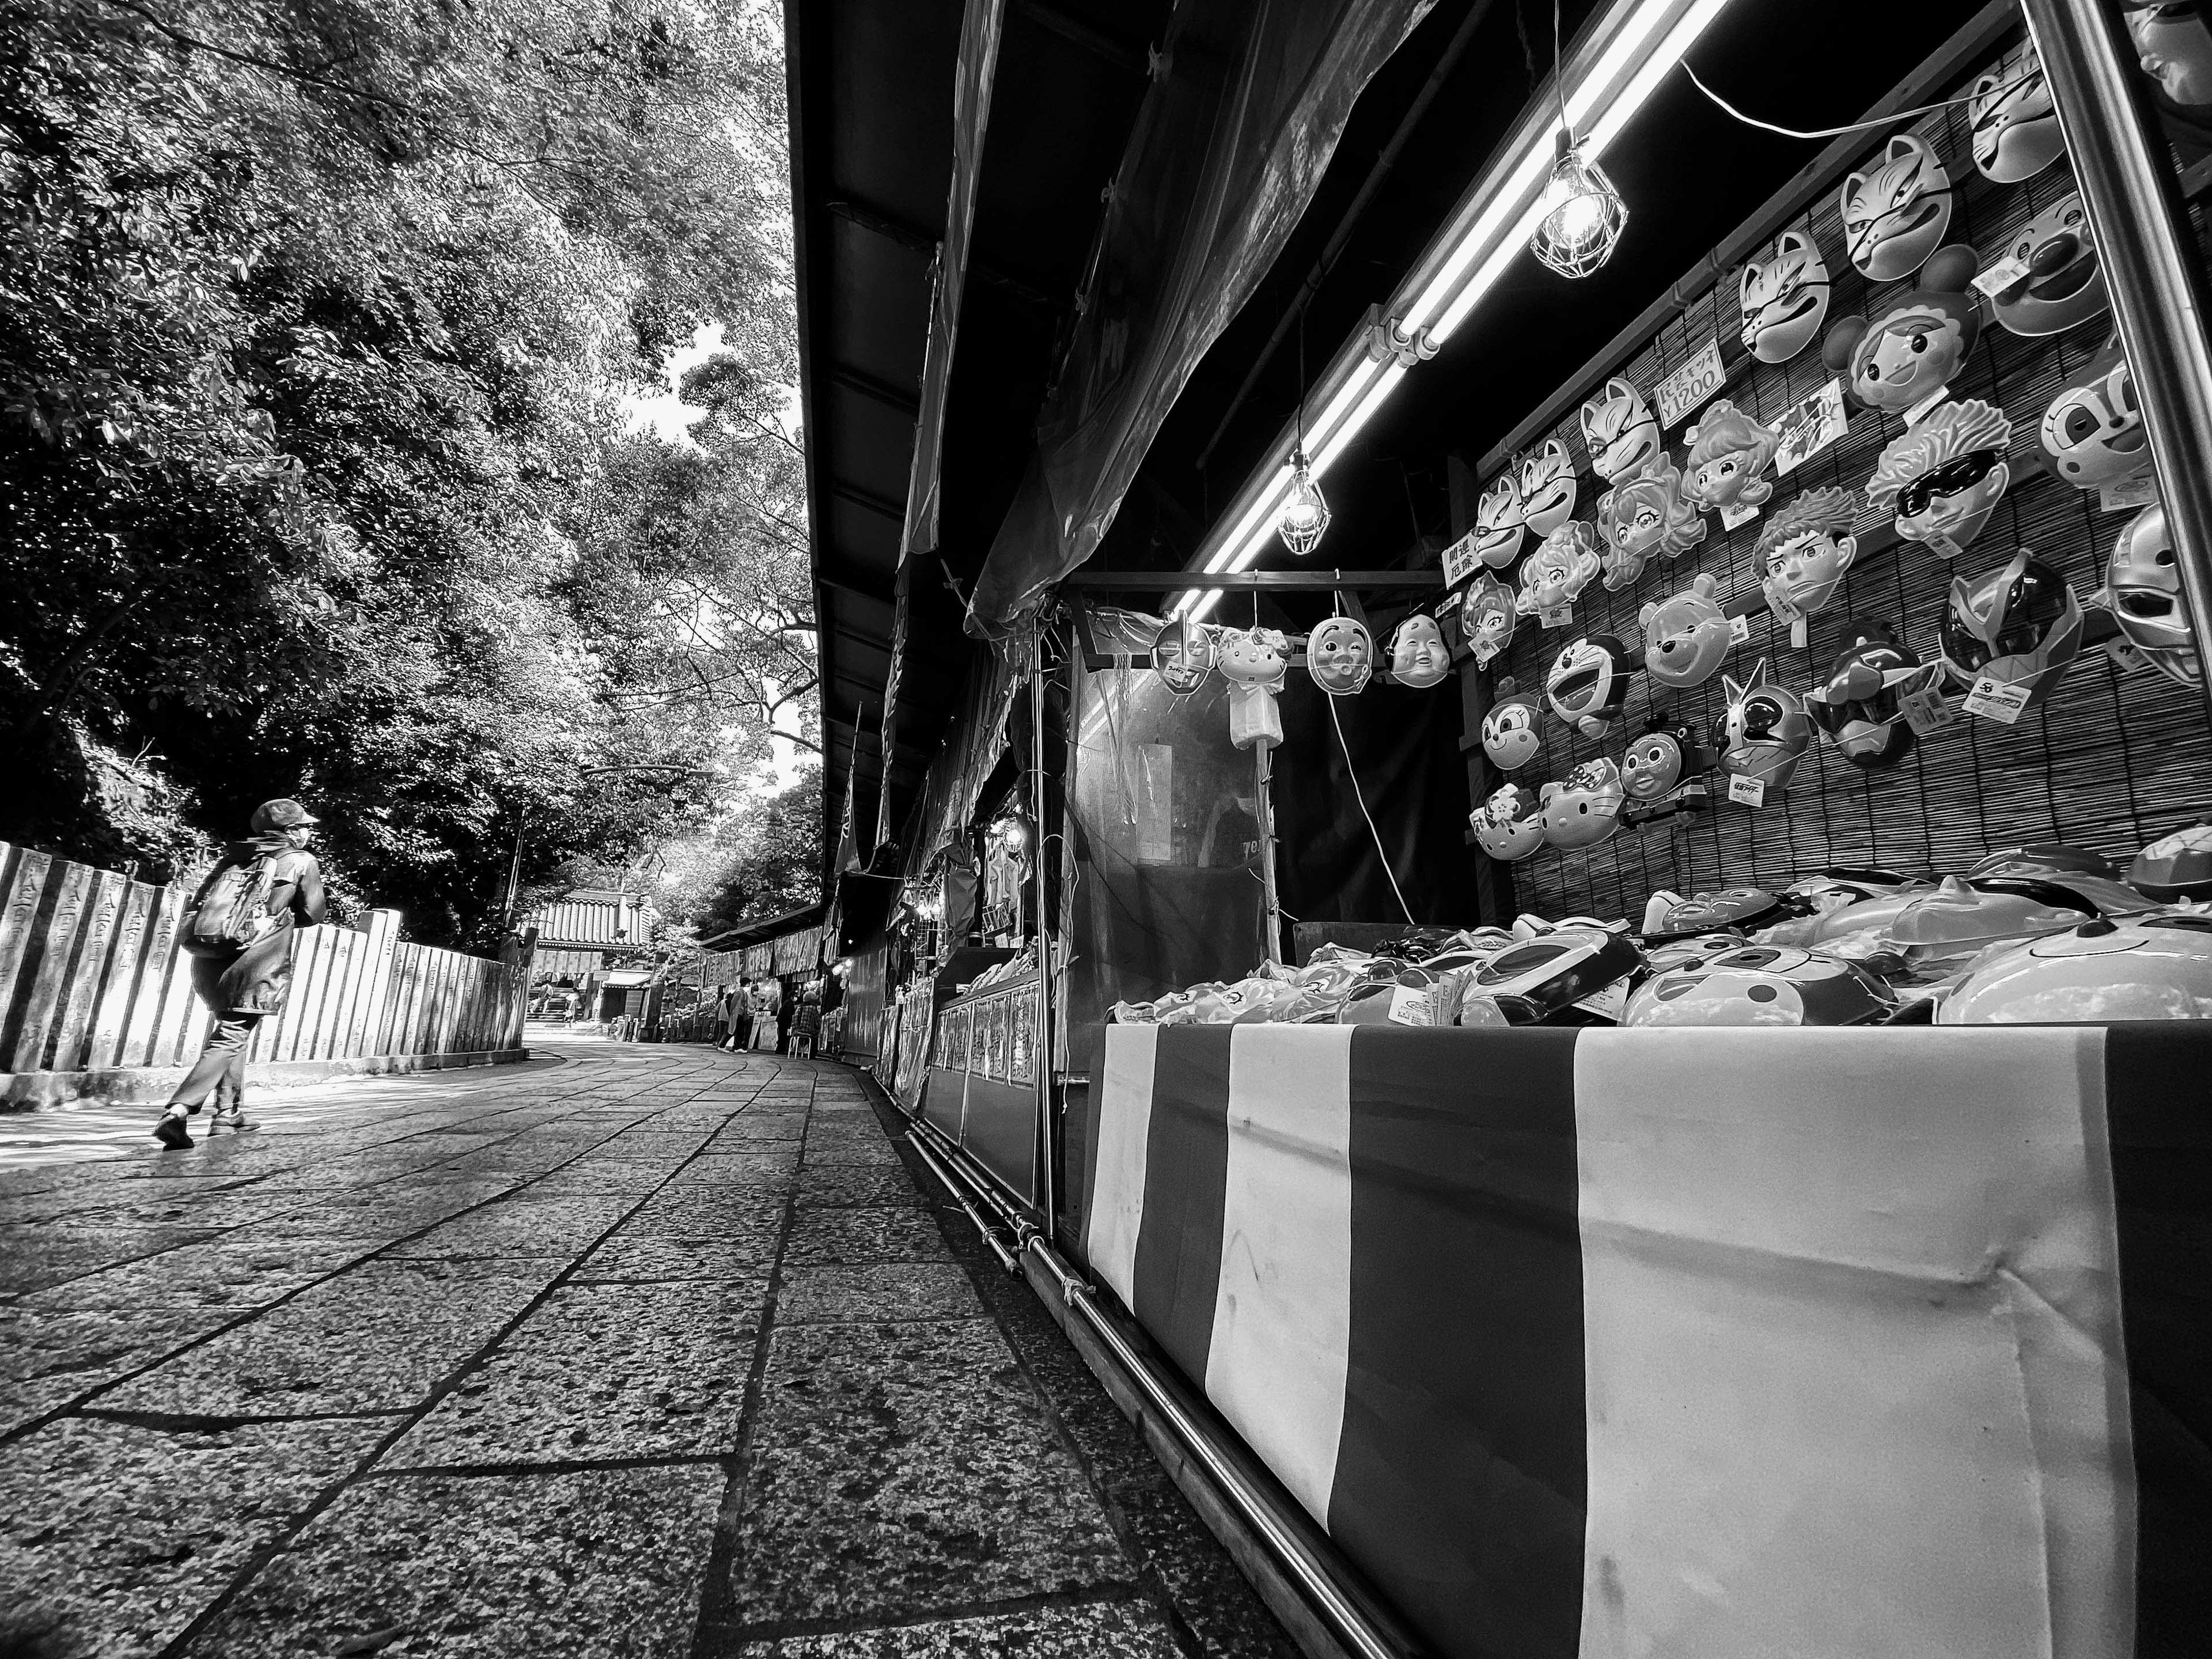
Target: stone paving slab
{"type": "Point", "coordinates": [1106, 1629]}
{"type": "Point", "coordinates": [523, 1224]}
{"type": "Point", "coordinates": [646, 1258]}
{"type": "Point", "coordinates": [863, 1235]}
{"type": "Point", "coordinates": [770, 1172]}
{"type": "Point", "coordinates": [843, 1186]}
{"type": "Point", "coordinates": [38, 1259]}
{"type": "Point", "coordinates": [817, 1294]}
{"type": "Point", "coordinates": [225, 1272]}
{"type": "Point", "coordinates": [50, 1356]}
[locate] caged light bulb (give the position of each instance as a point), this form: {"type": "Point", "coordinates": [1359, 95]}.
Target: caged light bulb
{"type": "Point", "coordinates": [1305, 513]}
{"type": "Point", "coordinates": [1583, 215]}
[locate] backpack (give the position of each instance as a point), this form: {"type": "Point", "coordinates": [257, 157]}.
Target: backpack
{"type": "Point", "coordinates": [232, 909]}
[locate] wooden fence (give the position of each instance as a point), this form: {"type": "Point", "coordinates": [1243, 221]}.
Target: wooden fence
{"type": "Point", "coordinates": [93, 984]}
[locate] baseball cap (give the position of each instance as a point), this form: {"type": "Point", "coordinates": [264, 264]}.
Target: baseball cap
{"type": "Point", "coordinates": [281, 815]}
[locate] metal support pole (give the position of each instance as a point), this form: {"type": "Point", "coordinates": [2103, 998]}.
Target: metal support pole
{"type": "Point", "coordinates": [1263, 780]}
{"type": "Point", "coordinates": [2150, 263]}
{"type": "Point", "coordinates": [1041, 1061]}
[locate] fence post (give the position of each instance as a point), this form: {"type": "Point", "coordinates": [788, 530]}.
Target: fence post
{"type": "Point", "coordinates": [365, 1029]}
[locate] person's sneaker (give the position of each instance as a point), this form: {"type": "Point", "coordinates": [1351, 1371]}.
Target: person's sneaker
{"type": "Point", "coordinates": [171, 1133]}
{"type": "Point", "coordinates": [233, 1120]}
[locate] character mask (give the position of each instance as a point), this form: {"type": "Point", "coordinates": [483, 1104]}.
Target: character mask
{"type": "Point", "coordinates": [1547, 487]}
{"type": "Point", "coordinates": [1944, 477]}
{"type": "Point", "coordinates": [1510, 734]}
{"type": "Point", "coordinates": [2142, 587]}
{"type": "Point", "coordinates": [2175, 866]}
{"type": "Point", "coordinates": [1762, 985]}
{"type": "Point", "coordinates": [1807, 547]}
{"type": "Point", "coordinates": [2015, 129]}
{"type": "Point", "coordinates": [2176, 50]}
{"type": "Point", "coordinates": [1728, 451]}
{"type": "Point", "coordinates": [1183, 654]}
{"type": "Point", "coordinates": [1418, 655]}
{"type": "Point", "coordinates": [1583, 808]}
{"type": "Point", "coordinates": [1340, 656]}
{"type": "Point", "coordinates": [1499, 528]}
{"type": "Point", "coordinates": [1619, 432]}
{"type": "Point", "coordinates": [1253, 661]}
{"type": "Point", "coordinates": [1894, 216]}
{"type": "Point", "coordinates": [1557, 571]}
{"type": "Point", "coordinates": [1587, 682]}
{"type": "Point", "coordinates": [1509, 825]}
{"type": "Point", "coordinates": [2093, 431]}
{"type": "Point", "coordinates": [2019, 625]}
{"type": "Point", "coordinates": [1645, 515]}
{"type": "Point", "coordinates": [1686, 635]}
{"type": "Point", "coordinates": [1912, 344]}
{"type": "Point", "coordinates": [1659, 758]}
{"type": "Point", "coordinates": [1726, 910]}
{"type": "Point", "coordinates": [1487, 616]}
{"type": "Point", "coordinates": [1857, 709]}
{"type": "Point", "coordinates": [1784, 299]}
{"type": "Point", "coordinates": [1763, 733]}
{"type": "Point", "coordinates": [2065, 280]}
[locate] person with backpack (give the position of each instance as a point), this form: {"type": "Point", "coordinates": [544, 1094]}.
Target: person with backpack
{"type": "Point", "coordinates": [239, 933]}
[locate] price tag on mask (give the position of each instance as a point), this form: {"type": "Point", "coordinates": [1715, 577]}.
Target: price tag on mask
{"type": "Point", "coordinates": [2125, 655]}
{"type": "Point", "coordinates": [1607, 1003]}
{"type": "Point", "coordinates": [2004, 704]}
{"type": "Point", "coordinates": [1734, 518]}
{"type": "Point", "coordinates": [1747, 791]}
{"type": "Point", "coordinates": [2122, 493]}
{"type": "Point", "coordinates": [1739, 630]}
{"type": "Point", "coordinates": [1558, 616]}
{"type": "Point", "coordinates": [2006, 273]}
{"type": "Point", "coordinates": [1411, 1005]}
{"type": "Point", "coordinates": [1484, 649]}
{"type": "Point", "coordinates": [1939, 544]}
{"type": "Point", "coordinates": [1924, 710]}
{"type": "Point", "coordinates": [1785, 608]}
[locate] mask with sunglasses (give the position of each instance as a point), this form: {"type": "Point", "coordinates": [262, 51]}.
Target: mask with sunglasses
{"type": "Point", "coordinates": [1895, 215]}
{"type": "Point", "coordinates": [2093, 432]}
{"type": "Point", "coordinates": [1944, 477]}
{"type": "Point", "coordinates": [2142, 591]}
{"type": "Point", "coordinates": [1859, 709]}
{"type": "Point", "coordinates": [2019, 625]}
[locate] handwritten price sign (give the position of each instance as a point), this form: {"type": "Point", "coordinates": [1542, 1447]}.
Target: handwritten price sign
{"type": "Point", "coordinates": [1690, 385]}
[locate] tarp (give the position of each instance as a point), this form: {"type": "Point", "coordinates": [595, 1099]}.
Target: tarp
{"type": "Point", "coordinates": [974, 738]}
{"type": "Point", "coordinates": [1232, 139]}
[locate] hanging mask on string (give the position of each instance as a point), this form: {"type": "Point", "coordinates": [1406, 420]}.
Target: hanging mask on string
{"type": "Point", "coordinates": [1253, 661]}
{"type": "Point", "coordinates": [1660, 757]}
{"type": "Point", "coordinates": [1418, 656]}
{"type": "Point", "coordinates": [1499, 527]}
{"type": "Point", "coordinates": [2015, 128]}
{"type": "Point", "coordinates": [1784, 298]}
{"type": "Point", "coordinates": [1895, 215]}
{"type": "Point", "coordinates": [1340, 656]}
{"type": "Point", "coordinates": [1587, 682]}
{"type": "Point", "coordinates": [1913, 342]}
{"type": "Point", "coordinates": [1183, 655]}
{"type": "Point", "coordinates": [1510, 733]}
{"type": "Point", "coordinates": [1646, 514]}
{"type": "Point", "coordinates": [1509, 825]}
{"type": "Point", "coordinates": [1619, 432]}
{"type": "Point", "coordinates": [2093, 431]}
{"type": "Point", "coordinates": [1944, 477]}
{"type": "Point", "coordinates": [1487, 615]}
{"type": "Point", "coordinates": [1686, 635]}
{"type": "Point", "coordinates": [1860, 708]}
{"type": "Point", "coordinates": [1729, 454]}
{"type": "Point", "coordinates": [1547, 487]}
{"type": "Point", "coordinates": [1566, 562]}
{"type": "Point", "coordinates": [1763, 733]}
{"type": "Point", "coordinates": [2142, 590]}
{"type": "Point", "coordinates": [2019, 625]}
{"type": "Point", "coordinates": [1805, 551]}
{"type": "Point", "coordinates": [1583, 808]}
{"type": "Point", "coordinates": [2174, 43]}
{"type": "Point", "coordinates": [2064, 279]}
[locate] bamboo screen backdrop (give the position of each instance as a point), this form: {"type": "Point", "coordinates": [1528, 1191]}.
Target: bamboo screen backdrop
{"type": "Point", "coordinates": [2112, 760]}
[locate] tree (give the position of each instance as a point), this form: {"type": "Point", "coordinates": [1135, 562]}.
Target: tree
{"type": "Point", "coordinates": [764, 859]}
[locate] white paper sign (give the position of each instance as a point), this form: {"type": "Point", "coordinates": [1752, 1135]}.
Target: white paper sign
{"type": "Point", "coordinates": [1410, 1006]}
{"type": "Point", "coordinates": [1461, 561]}
{"type": "Point", "coordinates": [1734, 518]}
{"type": "Point", "coordinates": [1810, 426]}
{"type": "Point", "coordinates": [2123, 494]}
{"type": "Point", "coordinates": [2004, 704]}
{"type": "Point", "coordinates": [1924, 710]}
{"type": "Point", "coordinates": [1557, 616]}
{"type": "Point", "coordinates": [1747, 791]}
{"type": "Point", "coordinates": [1689, 385]}
{"type": "Point", "coordinates": [1739, 630]}
{"type": "Point", "coordinates": [1783, 607]}
{"type": "Point", "coordinates": [2125, 655]}
{"type": "Point", "coordinates": [2001, 275]}
{"type": "Point", "coordinates": [1919, 411]}
{"type": "Point", "coordinates": [1484, 649]}
{"type": "Point", "coordinates": [1607, 1003]}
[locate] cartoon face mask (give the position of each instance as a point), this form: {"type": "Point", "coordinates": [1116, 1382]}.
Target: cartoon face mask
{"type": "Point", "coordinates": [1340, 656]}
{"type": "Point", "coordinates": [2019, 625]}
{"type": "Point", "coordinates": [1783, 298]}
{"type": "Point", "coordinates": [1642, 516]}
{"type": "Point", "coordinates": [1894, 216]}
{"type": "Point", "coordinates": [1944, 477]}
{"type": "Point", "coordinates": [1254, 656]}
{"type": "Point", "coordinates": [2093, 431]}
{"type": "Point", "coordinates": [1183, 655]}
{"type": "Point", "coordinates": [1619, 432]}
{"type": "Point", "coordinates": [1547, 487]}
{"type": "Point", "coordinates": [2065, 280]}
{"type": "Point", "coordinates": [1587, 682]}
{"type": "Point", "coordinates": [2175, 47]}
{"type": "Point", "coordinates": [1418, 655]}
{"type": "Point", "coordinates": [1658, 758]}
{"type": "Point", "coordinates": [1557, 571]}
{"type": "Point", "coordinates": [1807, 548]}
{"type": "Point", "coordinates": [1499, 527]}
{"type": "Point", "coordinates": [1857, 709]}
{"type": "Point", "coordinates": [2015, 129]}
{"type": "Point", "coordinates": [1763, 733]}
{"type": "Point", "coordinates": [1509, 733]}
{"type": "Point", "coordinates": [1509, 825]}
{"type": "Point", "coordinates": [2142, 587]}
{"type": "Point", "coordinates": [1728, 452]}
{"type": "Point", "coordinates": [1583, 808]}
{"type": "Point", "coordinates": [1913, 344]}
{"type": "Point", "coordinates": [1686, 635]}
{"type": "Point", "coordinates": [1487, 615]}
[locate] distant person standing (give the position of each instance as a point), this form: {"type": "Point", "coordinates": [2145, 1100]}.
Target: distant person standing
{"type": "Point", "coordinates": [805, 1027]}
{"type": "Point", "coordinates": [741, 1016]}
{"type": "Point", "coordinates": [238, 932]}
{"type": "Point", "coordinates": [764, 1032]}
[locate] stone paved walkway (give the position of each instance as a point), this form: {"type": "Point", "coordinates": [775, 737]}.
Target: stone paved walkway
{"type": "Point", "coordinates": [658, 1351]}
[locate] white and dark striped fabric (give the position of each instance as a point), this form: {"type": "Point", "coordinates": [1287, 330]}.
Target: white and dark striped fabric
{"type": "Point", "coordinates": [1699, 1343]}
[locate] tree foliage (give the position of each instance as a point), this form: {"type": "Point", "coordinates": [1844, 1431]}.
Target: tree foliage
{"type": "Point", "coordinates": [763, 861]}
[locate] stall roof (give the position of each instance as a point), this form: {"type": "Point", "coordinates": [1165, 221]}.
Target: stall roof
{"type": "Point", "coordinates": [754, 933]}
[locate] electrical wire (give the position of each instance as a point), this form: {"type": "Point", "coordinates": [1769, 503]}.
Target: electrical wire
{"type": "Point", "coordinates": [1358, 795]}
{"type": "Point", "coordinates": [1836, 132]}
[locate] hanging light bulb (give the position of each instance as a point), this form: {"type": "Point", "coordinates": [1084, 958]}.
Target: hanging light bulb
{"type": "Point", "coordinates": [1305, 514]}
{"type": "Point", "coordinates": [1583, 215]}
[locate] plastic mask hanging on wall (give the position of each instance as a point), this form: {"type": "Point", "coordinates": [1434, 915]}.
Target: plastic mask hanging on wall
{"type": "Point", "coordinates": [1914, 342]}
{"type": "Point", "coordinates": [1183, 655]}
{"type": "Point", "coordinates": [1547, 487]}
{"type": "Point", "coordinates": [1253, 661]}
{"type": "Point", "coordinates": [2065, 280]}
{"type": "Point", "coordinates": [1895, 215]}
{"type": "Point", "coordinates": [2093, 431]}
{"type": "Point", "coordinates": [1807, 548]}
{"type": "Point", "coordinates": [1659, 758]}
{"type": "Point", "coordinates": [1763, 733]}
{"type": "Point", "coordinates": [1686, 635]}
{"type": "Point", "coordinates": [1509, 825]}
{"type": "Point", "coordinates": [1587, 682]}
{"type": "Point", "coordinates": [1859, 709]}
{"type": "Point", "coordinates": [1419, 656]}
{"type": "Point", "coordinates": [2019, 625]}
{"type": "Point", "coordinates": [1487, 615]}
{"type": "Point", "coordinates": [1340, 656]}
{"type": "Point", "coordinates": [2016, 129]}
{"type": "Point", "coordinates": [1499, 526]}
{"type": "Point", "coordinates": [1565, 564]}
{"type": "Point", "coordinates": [2174, 45]}
{"type": "Point", "coordinates": [2142, 587]}
{"type": "Point", "coordinates": [1642, 516]}
{"type": "Point", "coordinates": [1784, 298]}
{"type": "Point", "coordinates": [1620, 432]}
{"type": "Point", "coordinates": [1943, 478]}
{"type": "Point", "coordinates": [1510, 733]}
{"type": "Point", "coordinates": [1729, 453]}
{"type": "Point", "coordinates": [1583, 808]}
